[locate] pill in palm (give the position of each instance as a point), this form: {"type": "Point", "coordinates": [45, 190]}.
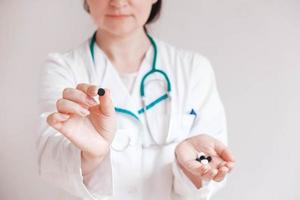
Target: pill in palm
{"type": "Point", "coordinates": [204, 161]}
{"type": "Point", "coordinates": [209, 158]}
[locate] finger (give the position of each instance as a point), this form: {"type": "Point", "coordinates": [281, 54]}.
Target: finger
{"type": "Point", "coordinates": [209, 175]}
{"type": "Point", "coordinates": [224, 152]}
{"type": "Point", "coordinates": [221, 164]}
{"type": "Point", "coordinates": [221, 174]}
{"type": "Point", "coordinates": [69, 107]}
{"type": "Point", "coordinates": [106, 105]}
{"type": "Point", "coordinates": [196, 168]}
{"type": "Point", "coordinates": [230, 166]}
{"type": "Point", "coordinates": [78, 96]}
{"type": "Point", "coordinates": [56, 120]}
{"type": "Point", "coordinates": [90, 90]}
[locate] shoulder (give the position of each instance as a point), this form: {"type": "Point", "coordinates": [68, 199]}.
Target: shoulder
{"type": "Point", "coordinates": [71, 63]}
{"type": "Point", "coordinates": [70, 56]}
{"type": "Point", "coordinates": [184, 63]}
{"type": "Point", "coordinates": [190, 60]}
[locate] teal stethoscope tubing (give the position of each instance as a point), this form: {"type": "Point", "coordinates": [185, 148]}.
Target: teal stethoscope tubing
{"type": "Point", "coordinates": [142, 86]}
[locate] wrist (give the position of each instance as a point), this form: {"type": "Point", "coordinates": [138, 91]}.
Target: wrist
{"type": "Point", "coordinates": [196, 180]}
{"type": "Point", "coordinates": [89, 162]}
{"type": "Point", "coordinates": [89, 157]}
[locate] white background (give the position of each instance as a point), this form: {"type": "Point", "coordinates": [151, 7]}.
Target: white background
{"type": "Point", "coordinates": [254, 47]}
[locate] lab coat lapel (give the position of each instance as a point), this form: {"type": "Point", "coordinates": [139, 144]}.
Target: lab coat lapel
{"type": "Point", "coordinates": [120, 95]}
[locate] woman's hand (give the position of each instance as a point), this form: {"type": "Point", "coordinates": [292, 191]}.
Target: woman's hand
{"type": "Point", "coordinates": [88, 125]}
{"type": "Point", "coordinates": [221, 164]}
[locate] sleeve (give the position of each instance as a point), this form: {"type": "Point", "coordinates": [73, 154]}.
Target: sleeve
{"type": "Point", "coordinates": [59, 160]}
{"type": "Point", "coordinates": [210, 119]}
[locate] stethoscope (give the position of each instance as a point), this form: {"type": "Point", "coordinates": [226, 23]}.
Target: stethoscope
{"type": "Point", "coordinates": [143, 110]}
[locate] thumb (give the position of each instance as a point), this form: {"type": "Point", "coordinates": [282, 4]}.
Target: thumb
{"type": "Point", "coordinates": [106, 106]}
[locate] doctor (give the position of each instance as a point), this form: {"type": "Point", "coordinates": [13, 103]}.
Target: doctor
{"type": "Point", "coordinates": [138, 139]}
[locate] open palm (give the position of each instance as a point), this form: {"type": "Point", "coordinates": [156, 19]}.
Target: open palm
{"type": "Point", "coordinates": [222, 160]}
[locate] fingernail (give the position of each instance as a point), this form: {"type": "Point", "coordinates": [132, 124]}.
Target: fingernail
{"type": "Point", "coordinates": [84, 112]}
{"type": "Point", "coordinates": [229, 165]}
{"type": "Point", "coordinates": [91, 102]}
{"type": "Point", "coordinates": [101, 92]}
{"type": "Point", "coordinates": [205, 168]}
{"type": "Point", "coordinates": [225, 169]}
{"type": "Point", "coordinates": [64, 117]}
{"type": "Point", "coordinates": [214, 172]}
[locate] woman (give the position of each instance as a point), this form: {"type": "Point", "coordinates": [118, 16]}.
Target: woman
{"type": "Point", "coordinates": [140, 138]}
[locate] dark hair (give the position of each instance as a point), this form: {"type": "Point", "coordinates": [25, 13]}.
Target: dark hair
{"type": "Point", "coordinates": [154, 14]}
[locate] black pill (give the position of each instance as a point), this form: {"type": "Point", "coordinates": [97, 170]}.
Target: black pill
{"type": "Point", "coordinates": [101, 92]}
{"type": "Point", "coordinates": [202, 157]}
{"type": "Point", "coordinates": [209, 158]}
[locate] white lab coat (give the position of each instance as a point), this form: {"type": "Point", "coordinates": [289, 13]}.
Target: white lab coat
{"type": "Point", "coordinates": [131, 172]}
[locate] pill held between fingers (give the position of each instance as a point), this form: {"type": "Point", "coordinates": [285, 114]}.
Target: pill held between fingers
{"type": "Point", "coordinates": [101, 92]}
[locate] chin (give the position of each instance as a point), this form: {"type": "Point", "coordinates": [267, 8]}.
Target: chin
{"type": "Point", "coordinates": [122, 30]}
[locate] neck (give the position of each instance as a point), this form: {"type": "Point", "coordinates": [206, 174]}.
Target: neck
{"type": "Point", "coordinates": [126, 52]}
